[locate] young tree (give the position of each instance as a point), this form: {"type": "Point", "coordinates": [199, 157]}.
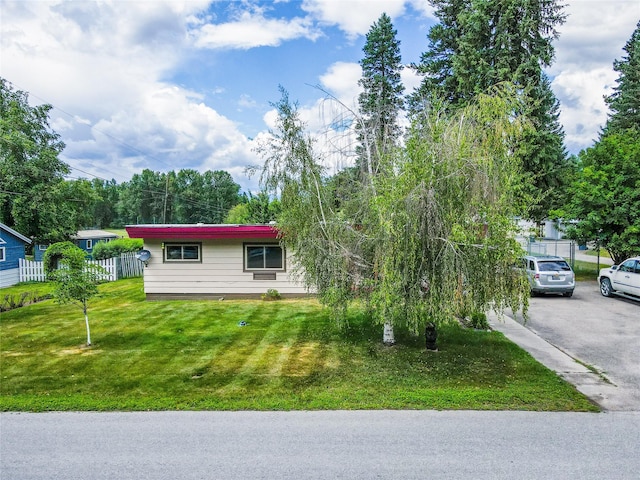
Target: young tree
{"type": "Point", "coordinates": [75, 279]}
{"type": "Point", "coordinates": [624, 102]}
{"type": "Point", "coordinates": [482, 43]}
{"type": "Point", "coordinates": [381, 100]}
{"type": "Point", "coordinates": [432, 236]}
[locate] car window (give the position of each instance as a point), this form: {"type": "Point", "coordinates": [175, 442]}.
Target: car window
{"type": "Point", "coordinates": [554, 265]}
{"type": "Point", "coordinates": [628, 266]}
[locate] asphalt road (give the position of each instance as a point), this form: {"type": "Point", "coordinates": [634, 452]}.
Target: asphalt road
{"type": "Point", "coordinates": [602, 333]}
{"type": "Point", "coordinates": [320, 445]}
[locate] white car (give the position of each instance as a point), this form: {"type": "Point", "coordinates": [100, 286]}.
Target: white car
{"type": "Point", "coordinates": [623, 279]}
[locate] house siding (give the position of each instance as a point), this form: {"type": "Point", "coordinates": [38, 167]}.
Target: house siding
{"type": "Point", "coordinates": [14, 250]}
{"type": "Point", "coordinates": [9, 277]}
{"type": "Point", "coordinates": [220, 273]}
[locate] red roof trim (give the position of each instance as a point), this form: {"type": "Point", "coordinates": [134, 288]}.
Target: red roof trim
{"type": "Point", "coordinates": [195, 232]}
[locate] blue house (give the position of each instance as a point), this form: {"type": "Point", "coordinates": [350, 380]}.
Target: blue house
{"type": "Point", "coordinates": [85, 239]}
{"type": "Point", "coordinates": [12, 247]}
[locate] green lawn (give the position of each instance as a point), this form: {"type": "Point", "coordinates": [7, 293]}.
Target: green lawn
{"type": "Point", "coordinates": [586, 270]}
{"type": "Point", "coordinates": [193, 355]}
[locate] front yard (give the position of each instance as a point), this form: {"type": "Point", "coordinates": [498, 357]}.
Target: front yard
{"type": "Point", "coordinates": [195, 355]}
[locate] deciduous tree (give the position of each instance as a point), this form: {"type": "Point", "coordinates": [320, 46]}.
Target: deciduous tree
{"type": "Point", "coordinates": [75, 279]}
{"type": "Point", "coordinates": [30, 168]}
{"type": "Point", "coordinates": [432, 237]}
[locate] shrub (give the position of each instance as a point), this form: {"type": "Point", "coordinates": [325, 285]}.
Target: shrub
{"type": "Point", "coordinates": [17, 300]}
{"type": "Point", "coordinates": [479, 321]}
{"type": "Point", "coordinates": [272, 294]}
{"type": "Point", "coordinates": [103, 250]}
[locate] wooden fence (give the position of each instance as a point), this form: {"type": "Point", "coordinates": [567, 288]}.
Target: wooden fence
{"type": "Point", "coordinates": [125, 266]}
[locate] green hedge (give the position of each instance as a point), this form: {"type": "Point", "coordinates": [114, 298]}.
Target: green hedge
{"type": "Point", "coordinates": [102, 250]}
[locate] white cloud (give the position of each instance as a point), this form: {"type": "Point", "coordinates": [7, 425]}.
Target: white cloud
{"type": "Point", "coordinates": [246, 102]}
{"type": "Point", "coordinates": [354, 17]}
{"type": "Point", "coordinates": [102, 66]}
{"type": "Point", "coordinates": [253, 30]}
{"type": "Point", "coordinates": [590, 40]}
{"type": "Point", "coordinates": [341, 79]}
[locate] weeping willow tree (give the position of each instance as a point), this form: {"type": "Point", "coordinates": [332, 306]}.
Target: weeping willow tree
{"type": "Point", "coordinates": [428, 239]}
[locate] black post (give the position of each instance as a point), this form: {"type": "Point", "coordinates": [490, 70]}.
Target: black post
{"type": "Point", "coordinates": [431, 335]}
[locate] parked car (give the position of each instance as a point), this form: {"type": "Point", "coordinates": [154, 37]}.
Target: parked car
{"type": "Point", "coordinates": [549, 274]}
{"type": "Point", "coordinates": [623, 279]}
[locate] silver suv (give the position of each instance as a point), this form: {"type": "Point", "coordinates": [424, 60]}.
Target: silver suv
{"type": "Point", "coordinates": [548, 274]}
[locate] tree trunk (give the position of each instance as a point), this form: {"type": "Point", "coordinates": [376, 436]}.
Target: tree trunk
{"type": "Point", "coordinates": [86, 321]}
{"type": "Point", "coordinates": [387, 337]}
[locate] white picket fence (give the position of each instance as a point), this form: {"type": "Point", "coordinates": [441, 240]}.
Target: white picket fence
{"type": "Point", "coordinates": [125, 266]}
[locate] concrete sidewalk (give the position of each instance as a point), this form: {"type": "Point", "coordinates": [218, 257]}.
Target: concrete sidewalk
{"type": "Point", "coordinates": [591, 384]}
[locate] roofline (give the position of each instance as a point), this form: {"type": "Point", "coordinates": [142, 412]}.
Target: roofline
{"type": "Point", "coordinates": [201, 231]}
{"type": "Point", "coordinates": [13, 232]}
{"type": "Point", "coordinates": [89, 234]}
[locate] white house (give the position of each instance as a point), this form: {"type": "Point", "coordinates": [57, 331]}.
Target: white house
{"type": "Point", "coordinates": [214, 261]}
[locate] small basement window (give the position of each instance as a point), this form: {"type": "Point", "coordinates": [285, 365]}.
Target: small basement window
{"type": "Point", "coordinates": [182, 252]}
{"type": "Point", "coordinates": [263, 257]}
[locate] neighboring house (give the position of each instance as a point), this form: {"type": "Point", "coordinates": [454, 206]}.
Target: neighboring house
{"type": "Point", "coordinates": [214, 261]}
{"type": "Point", "coordinates": [85, 239]}
{"type": "Point", "coordinates": [12, 249]}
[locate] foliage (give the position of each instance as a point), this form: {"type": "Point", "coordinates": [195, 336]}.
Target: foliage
{"type": "Point", "coordinates": [191, 355]}
{"type": "Point", "coordinates": [9, 301]}
{"type": "Point", "coordinates": [482, 43]}
{"type": "Point", "coordinates": [605, 197]}
{"type": "Point", "coordinates": [271, 294]}
{"type": "Point", "coordinates": [479, 321]}
{"type": "Point", "coordinates": [431, 233]}
{"type": "Point", "coordinates": [624, 102]}
{"type": "Point", "coordinates": [75, 279]}
{"type": "Point", "coordinates": [187, 196]}
{"type": "Point", "coordinates": [114, 248]}
{"type": "Point", "coordinates": [107, 193]}
{"type": "Point", "coordinates": [381, 99]}
{"type": "Point", "coordinates": [32, 199]}
{"type": "Point", "coordinates": [254, 209]}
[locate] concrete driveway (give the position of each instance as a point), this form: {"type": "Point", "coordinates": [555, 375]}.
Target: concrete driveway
{"type": "Point", "coordinates": [601, 334]}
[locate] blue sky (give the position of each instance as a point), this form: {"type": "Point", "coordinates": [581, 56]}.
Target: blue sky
{"type": "Point", "coordinates": [168, 85]}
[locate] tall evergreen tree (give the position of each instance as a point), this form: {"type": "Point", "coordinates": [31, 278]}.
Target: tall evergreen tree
{"type": "Point", "coordinates": [479, 44]}
{"type": "Point", "coordinates": [624, 102]}
{"type": "Point", "coordinates": [382, 98]}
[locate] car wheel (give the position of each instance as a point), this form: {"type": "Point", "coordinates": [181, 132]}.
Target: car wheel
{"type": "Point", "coordinates": [567, 294]}
{"type": "Point", "coordinates": [605, 287]}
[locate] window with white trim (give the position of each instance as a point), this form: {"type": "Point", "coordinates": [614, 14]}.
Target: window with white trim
{"type": "Point", "coordinates": [182, 252]}
{"type": "Point", "coordinates": [2, 257]}
{"type": "Point", "coordinates": [263, 257]}
{"type": "Point", "coordinates": [89, 244]}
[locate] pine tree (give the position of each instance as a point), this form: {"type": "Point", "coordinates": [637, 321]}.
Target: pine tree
{"type": "Point", "coordinates": [381, 100]}
{"type": "Point", "coordinates": [480, 44]}
{"type": "Point", "coordinates": [624, 102]}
